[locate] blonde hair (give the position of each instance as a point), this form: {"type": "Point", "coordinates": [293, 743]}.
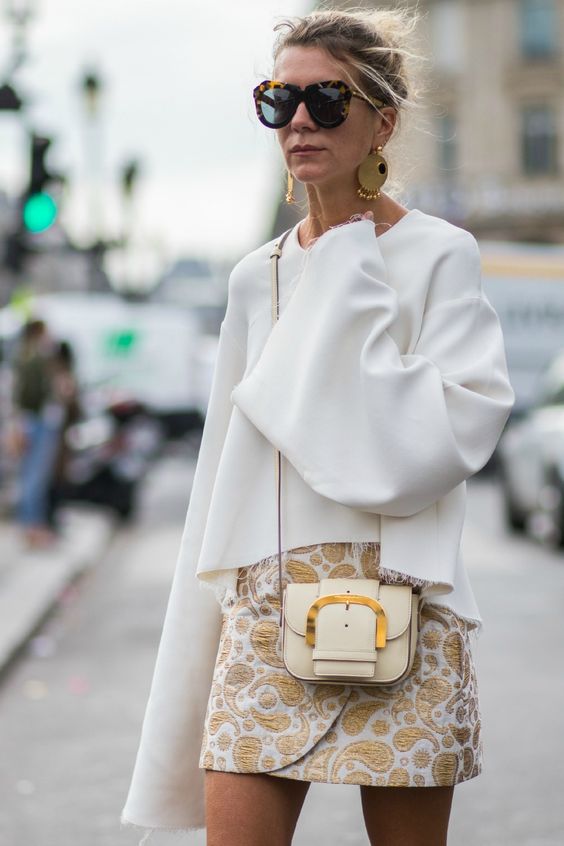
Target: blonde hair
{"type": "Point", "coordinates": [376, 43]}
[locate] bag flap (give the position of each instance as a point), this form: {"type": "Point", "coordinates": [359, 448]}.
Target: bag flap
{"type": "Point", "coordinates": [396, 600]}
{"type": "Point", "coordinates": [298, 596]}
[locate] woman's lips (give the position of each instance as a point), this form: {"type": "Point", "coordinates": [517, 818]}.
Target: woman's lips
{"type": "Point", "coordinates": [307, 151]}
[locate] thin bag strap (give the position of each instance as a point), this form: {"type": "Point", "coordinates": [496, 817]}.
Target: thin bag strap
{"type": "Point", "coordinates": [274, 256]}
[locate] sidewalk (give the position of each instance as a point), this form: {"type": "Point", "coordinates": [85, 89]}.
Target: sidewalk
{"type": "Point", "coordinates": [31, 580]}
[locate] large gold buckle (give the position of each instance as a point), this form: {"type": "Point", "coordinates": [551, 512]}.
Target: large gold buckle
{"type": "Point", "coordinates": [347, 598]}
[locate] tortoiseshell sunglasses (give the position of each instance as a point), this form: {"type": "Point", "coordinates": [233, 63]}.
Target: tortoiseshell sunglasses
{"type": "Point", "coordinates": [328, 103]}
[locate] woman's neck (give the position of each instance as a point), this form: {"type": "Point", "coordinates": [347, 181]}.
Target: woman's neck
{"type": "Point", "coordinates": [327, 209]}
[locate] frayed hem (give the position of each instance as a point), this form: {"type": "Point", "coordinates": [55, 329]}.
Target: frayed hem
{"type": "Point", "coordinates": [414, 581]}
{"type": "Point", "coordinates": [149, 830]}
{"type": "Point", "coordinates": [359, 548]}
{"type": "Point", "coordinates": [223, 585]}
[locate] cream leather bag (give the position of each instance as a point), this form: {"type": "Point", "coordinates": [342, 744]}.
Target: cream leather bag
{"type": "Point", "coordinates": [352, 631]}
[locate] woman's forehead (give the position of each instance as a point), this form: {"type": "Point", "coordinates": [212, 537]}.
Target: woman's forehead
{"type": "Point", "coordinates": [302, 65]}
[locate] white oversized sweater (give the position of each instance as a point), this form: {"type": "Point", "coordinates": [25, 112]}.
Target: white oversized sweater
{"type": "Point", "coordinates": [384, 385]}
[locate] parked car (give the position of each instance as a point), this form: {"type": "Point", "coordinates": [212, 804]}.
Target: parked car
{"type": "Point", "coordinates": [530, 457]}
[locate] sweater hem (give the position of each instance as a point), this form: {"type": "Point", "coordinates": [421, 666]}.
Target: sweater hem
{"type": "Point", "coordinates": [222, 583]}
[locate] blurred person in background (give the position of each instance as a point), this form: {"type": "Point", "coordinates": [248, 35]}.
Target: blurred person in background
{"type": "Point", "coordinates": [38, 414]}
{"type": "Point", "coordinates": [67, 392]}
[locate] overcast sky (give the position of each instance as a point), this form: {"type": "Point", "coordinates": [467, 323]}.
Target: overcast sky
{"type": "Point", "coordinates": [177, 77]}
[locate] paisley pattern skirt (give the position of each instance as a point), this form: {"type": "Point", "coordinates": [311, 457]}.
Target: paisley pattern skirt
{"type": "Point", "coordinates": [421, 732]}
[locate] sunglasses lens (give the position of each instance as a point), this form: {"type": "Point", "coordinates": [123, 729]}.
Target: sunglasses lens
{"type": "Point", "coordinates": [277, 106]}
{"type": "Point", "coordinates": [328, 106]}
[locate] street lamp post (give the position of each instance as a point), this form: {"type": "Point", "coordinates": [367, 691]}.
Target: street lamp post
{"type": "Point", "coordinates": [19, 14]}
{"type": "Point", "coordinates": [129, 177]}
{"type": "Point", "coordinates": [91, 87]}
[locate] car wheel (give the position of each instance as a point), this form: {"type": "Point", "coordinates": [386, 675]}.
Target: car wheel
{"type": "Point", "coordinates": [515, 517]}
{"type": "Point", "coordinates": [125, 501]}
{"type": "Point", "coordinates": [125, 511]}
{"type": "Point", "coordinates": [553, 506]}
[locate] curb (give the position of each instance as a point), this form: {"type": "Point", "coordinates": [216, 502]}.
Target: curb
{"type": "Point", "coordinates": [31, 580]}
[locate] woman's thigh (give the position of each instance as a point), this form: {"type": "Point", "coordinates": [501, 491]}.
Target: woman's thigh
{"type": "Point", "coordinates": [251, 809]}
{"type": "Point", "coordinates": [406, 816]}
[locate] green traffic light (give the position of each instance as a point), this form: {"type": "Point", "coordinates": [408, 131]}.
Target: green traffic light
{"type": "Point", "coordinates": [40, 212]}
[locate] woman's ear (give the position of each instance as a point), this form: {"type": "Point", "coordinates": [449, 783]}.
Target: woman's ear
{"type": "Point", "coordinates": [384, 126]}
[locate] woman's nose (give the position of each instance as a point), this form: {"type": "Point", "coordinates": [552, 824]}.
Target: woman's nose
{"type": "Point", "coordinates": [302, 118]}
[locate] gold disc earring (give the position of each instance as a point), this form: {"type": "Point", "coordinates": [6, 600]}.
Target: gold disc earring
{"type": "Point", "coordinates": [372, 173]}
{"type": "Point", "coordinates": [290, 189]}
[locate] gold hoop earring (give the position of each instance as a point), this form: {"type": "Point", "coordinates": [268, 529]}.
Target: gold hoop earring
{"type": "Point", "coordinates": [372, 173]}
{"type": "Point", "coordinates": [290, 189]}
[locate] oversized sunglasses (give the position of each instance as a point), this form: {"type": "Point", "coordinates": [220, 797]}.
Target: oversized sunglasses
{"type": "Point", "coordinates": [328, 103]}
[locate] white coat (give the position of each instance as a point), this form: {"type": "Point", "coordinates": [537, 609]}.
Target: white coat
{"type": "Point", "coordinates": [384, 385]}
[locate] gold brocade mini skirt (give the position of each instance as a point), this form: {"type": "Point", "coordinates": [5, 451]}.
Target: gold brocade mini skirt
{"type": "Point", "coordinates": [421, 732]}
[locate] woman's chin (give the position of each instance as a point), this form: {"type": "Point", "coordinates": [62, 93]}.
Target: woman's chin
{"type": "Point", "coordinates": [314, 180]}
{"type": "Point", "coordinates": [310, 173]}
{"type": "Point", "coordinates": [324, 188]}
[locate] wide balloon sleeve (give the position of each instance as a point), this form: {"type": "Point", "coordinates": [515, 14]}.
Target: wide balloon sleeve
{"type": "Point", "coordinates": [362, 423]}
{"type": "Point", "coordinates": [167, 787]}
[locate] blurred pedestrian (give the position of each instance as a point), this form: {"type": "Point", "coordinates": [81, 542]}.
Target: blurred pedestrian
{"type": "Point", "coordinates": [67, 393]}
{"type": "Point", "coordinates": [38, 418]}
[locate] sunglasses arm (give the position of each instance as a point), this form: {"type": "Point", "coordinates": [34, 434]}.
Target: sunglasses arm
{"type": "Point", "coordinates": [372, 100]}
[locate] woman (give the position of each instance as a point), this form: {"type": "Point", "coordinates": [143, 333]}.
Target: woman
{"type": "Point", "coordinates": [384, 386]}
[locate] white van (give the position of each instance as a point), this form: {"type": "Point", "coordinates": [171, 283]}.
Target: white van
{"type": "Point", "coordinates": [525, 284]}
{"type": "Point", "coordinates": [151, 352]}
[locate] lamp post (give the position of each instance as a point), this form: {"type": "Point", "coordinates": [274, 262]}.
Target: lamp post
{"type": "Point", "coordinates": [129, 177]}
{"type": "Point", "coordinates": [91, 88]}
{"type": "Point", "coordinates": [19, 14]}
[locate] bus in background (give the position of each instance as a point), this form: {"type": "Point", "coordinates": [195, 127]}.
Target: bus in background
{"type": "Point", "coordinates": [525, 284]}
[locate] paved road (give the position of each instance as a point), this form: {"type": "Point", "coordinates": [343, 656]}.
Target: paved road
{"type": "Point", "coordinates": [71, 708]}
